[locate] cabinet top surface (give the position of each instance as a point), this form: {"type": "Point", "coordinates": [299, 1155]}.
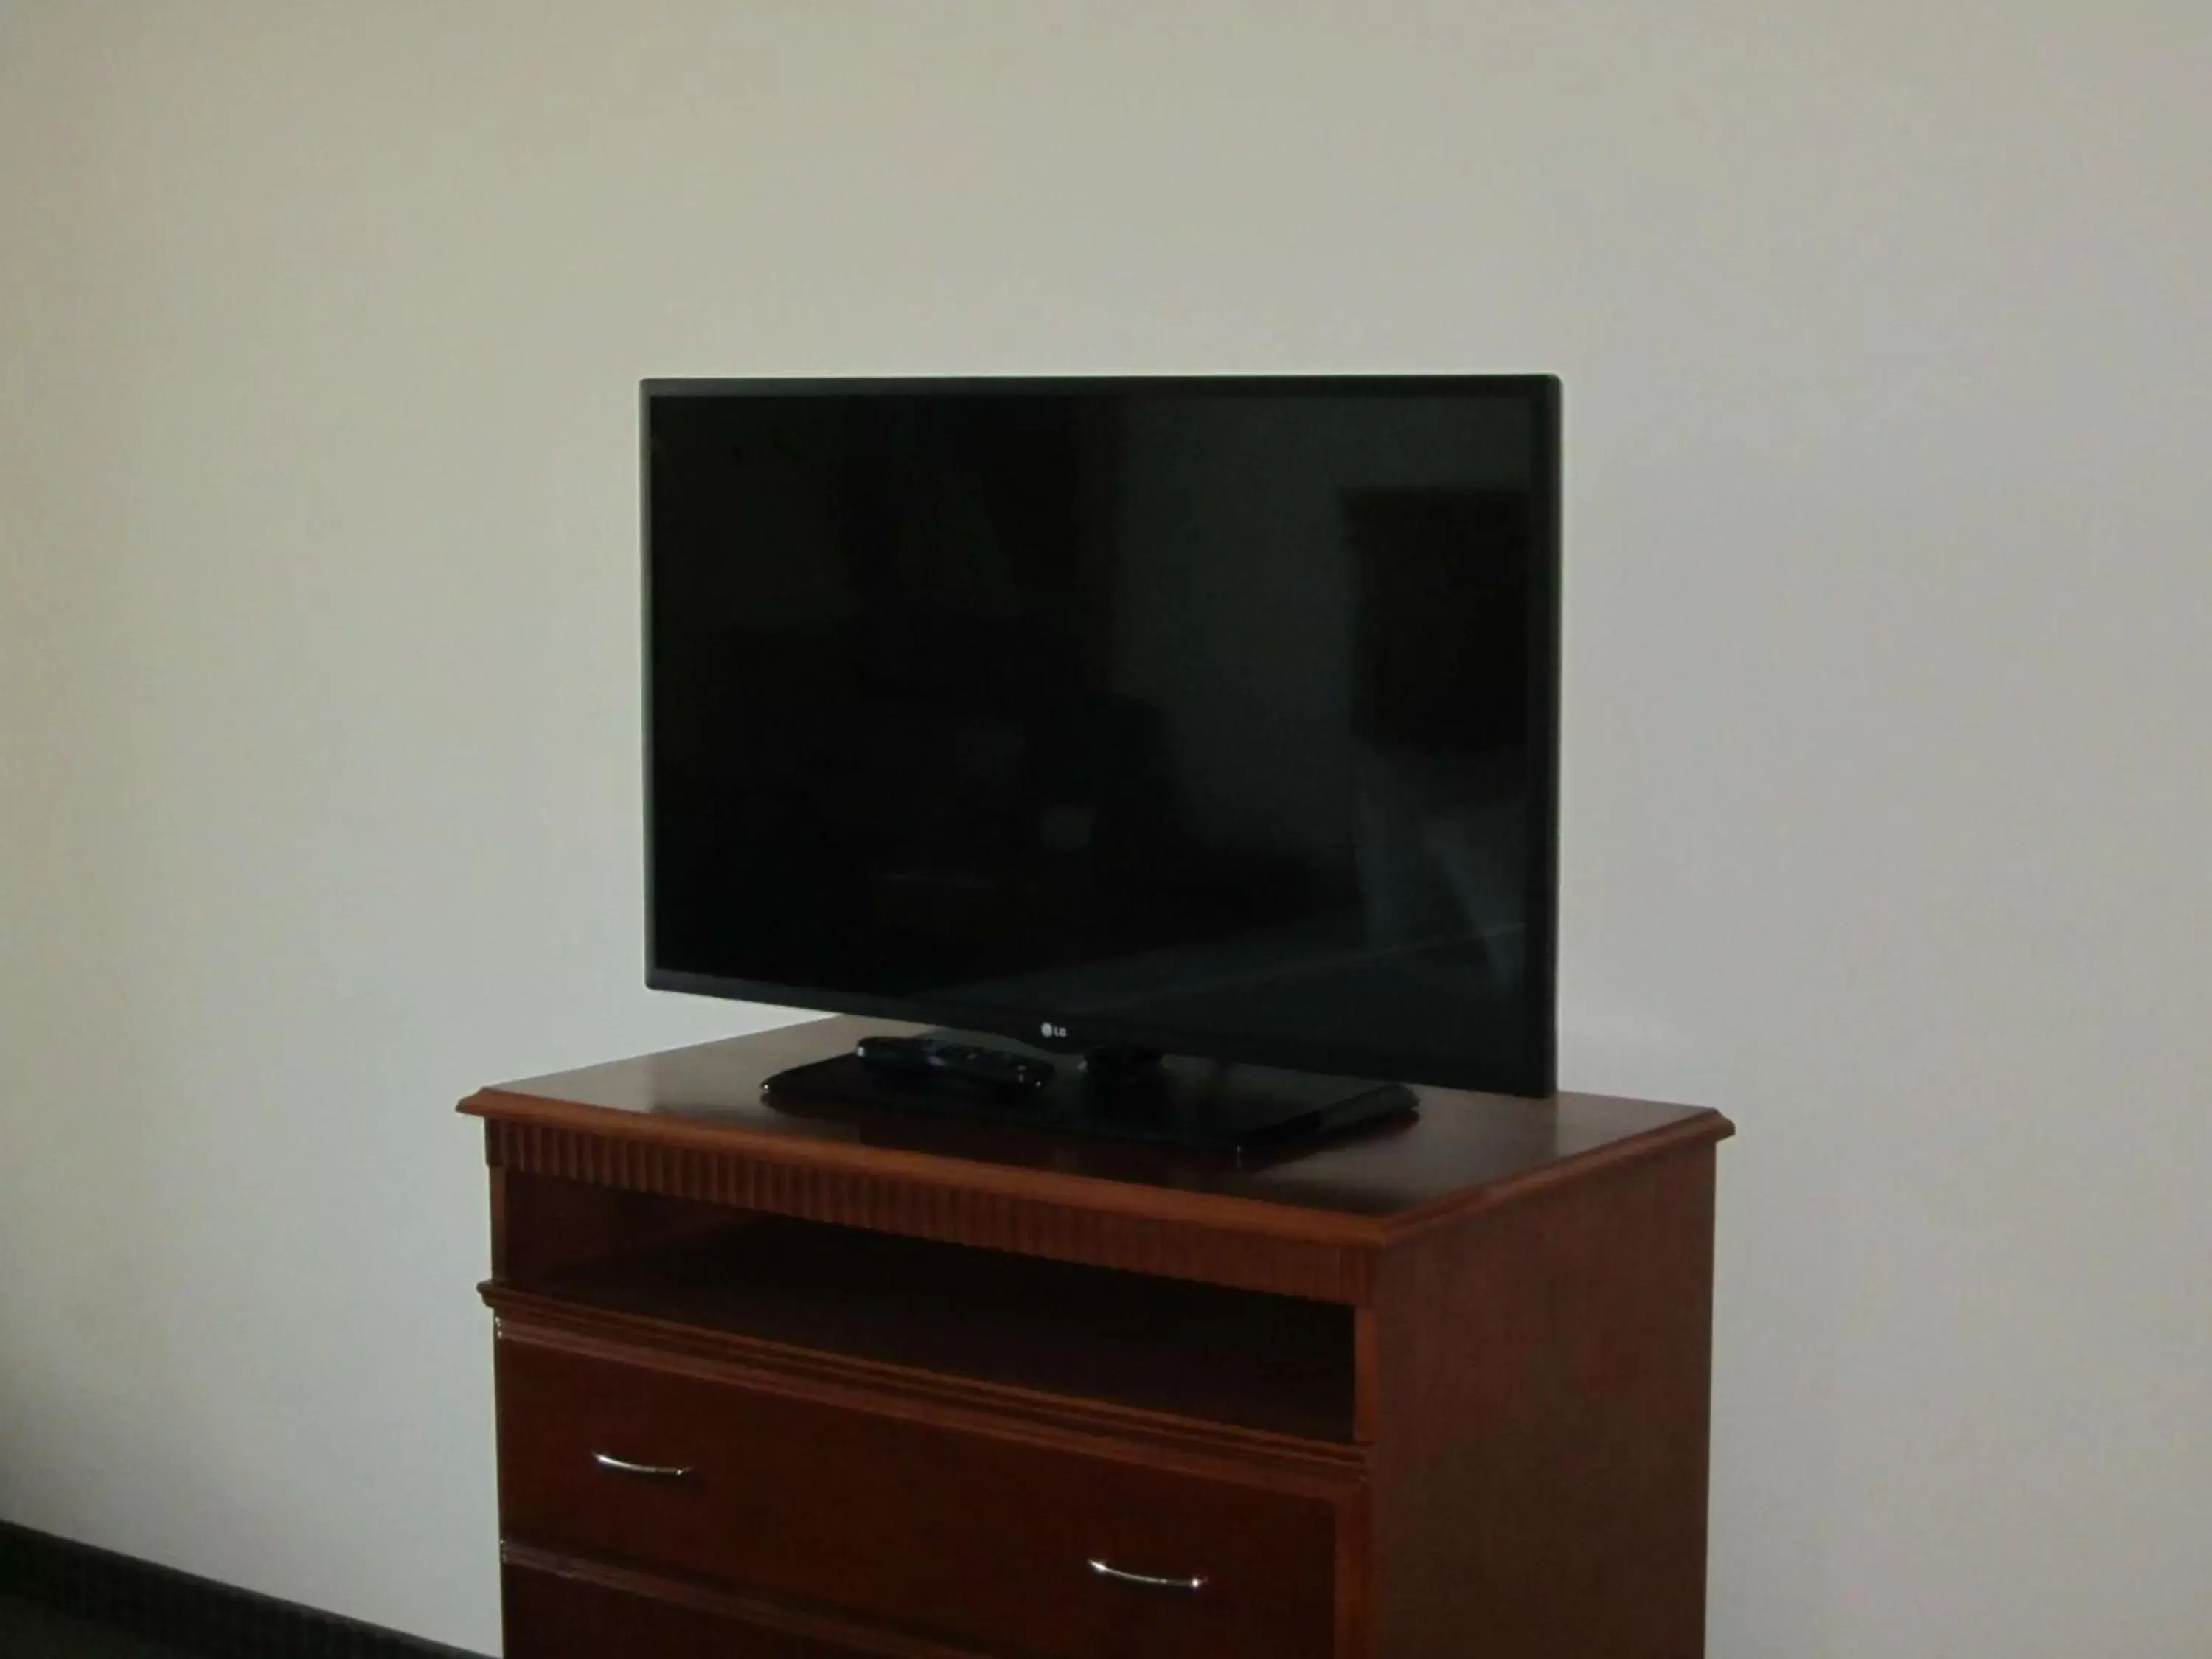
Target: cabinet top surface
{"type": "Point", "coordinates": [1460, 1147]}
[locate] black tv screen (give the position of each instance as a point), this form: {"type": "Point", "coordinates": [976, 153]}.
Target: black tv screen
{"type": "Point", "coordinates": [1213, 716]}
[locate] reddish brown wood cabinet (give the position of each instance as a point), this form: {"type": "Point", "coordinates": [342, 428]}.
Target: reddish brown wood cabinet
{"type": "Point", "coordinates": [813, 1384]}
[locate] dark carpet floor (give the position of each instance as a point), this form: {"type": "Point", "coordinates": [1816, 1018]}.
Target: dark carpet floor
{"type": "Point", "coordinates": [28, 1631]}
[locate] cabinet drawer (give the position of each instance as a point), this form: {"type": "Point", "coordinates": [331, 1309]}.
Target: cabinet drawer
{"type": "Point", "coordinates": [565, 1609]}
{"type": "Point", "coordinates": [920, 1524]}
{"type": "Point", "coordinates": [550, 1615]}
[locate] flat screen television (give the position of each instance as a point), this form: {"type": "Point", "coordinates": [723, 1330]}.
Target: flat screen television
{"type": "Point", "coordinates": [1207, 717]}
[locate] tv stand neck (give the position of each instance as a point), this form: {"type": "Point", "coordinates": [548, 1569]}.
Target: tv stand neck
{"type": "Point", "coordinates": [1113, 1093]}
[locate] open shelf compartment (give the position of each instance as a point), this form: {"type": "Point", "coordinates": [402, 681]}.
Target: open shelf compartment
{"type": "Point", "coordinates": [1277, 1364]}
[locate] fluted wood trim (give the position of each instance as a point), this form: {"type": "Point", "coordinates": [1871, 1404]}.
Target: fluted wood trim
{"type": "Point", "coordinates": [894, 1202]}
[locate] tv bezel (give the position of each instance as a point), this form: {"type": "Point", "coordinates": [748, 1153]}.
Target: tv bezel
{"type": "Point", "coordinates": [1057, 1029]}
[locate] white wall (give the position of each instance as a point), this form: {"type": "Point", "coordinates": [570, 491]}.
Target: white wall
{"type": "Point", "coordinates": [1885, 333]}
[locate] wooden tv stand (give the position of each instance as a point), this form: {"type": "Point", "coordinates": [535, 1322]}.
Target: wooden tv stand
{"type": "Point", "coordinates": [776, 1385]}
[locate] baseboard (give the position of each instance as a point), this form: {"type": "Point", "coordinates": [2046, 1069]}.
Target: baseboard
{"type": "Point", "coordinates": [217, 1620]}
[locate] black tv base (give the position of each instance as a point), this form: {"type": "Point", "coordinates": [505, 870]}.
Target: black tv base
{"type": "Point", "coordinates": [1166, 1099]}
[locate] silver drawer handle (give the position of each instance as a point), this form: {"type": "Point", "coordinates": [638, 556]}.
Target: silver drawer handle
{"type": "Point", "coordinates": [653, 1471]}
{"type": "Point", "coordinates": [1188, 1586]}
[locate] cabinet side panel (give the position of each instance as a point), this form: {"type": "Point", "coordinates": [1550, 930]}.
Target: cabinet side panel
{"type": "Point", "coordinates": [1542, 1381]}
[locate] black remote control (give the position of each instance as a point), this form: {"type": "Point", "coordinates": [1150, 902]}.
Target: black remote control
{"type": "Point", "coordinates": [937, 1057]}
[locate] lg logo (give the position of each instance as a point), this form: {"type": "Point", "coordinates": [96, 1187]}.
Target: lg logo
{"type": "Point", "coordinates": [1053, 1031]}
